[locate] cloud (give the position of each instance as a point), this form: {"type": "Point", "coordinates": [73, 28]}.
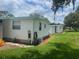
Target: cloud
{"type": "Point", "coordinates": [43, 7]}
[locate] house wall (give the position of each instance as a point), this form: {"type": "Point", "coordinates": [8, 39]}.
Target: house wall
{"type": "Point", "coordinates": [26, 25]}
{"type": "Point", "coordinates": [52, 29]}
{"type": "Point", "coordinates": [1, 34]}
{"type": "Point", "coordinates": [59, 29]}
{"type": "Point", "coordinates": [44, 31]}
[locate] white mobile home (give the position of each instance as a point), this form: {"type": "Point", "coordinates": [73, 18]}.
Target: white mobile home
{"type": "Point", "coordinates": [26, 29]}
{"type": "Point", "coordinates": [56, 28]}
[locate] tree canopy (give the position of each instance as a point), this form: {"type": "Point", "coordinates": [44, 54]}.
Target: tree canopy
{"type": "Point", "coordinates": [6, 14]}
{"type": "Point", "coordinates": [77, 10]}
{"type": "Point", "coordinates": [60, 4]}
{"type": "Point", "coordinates": [72, 21]}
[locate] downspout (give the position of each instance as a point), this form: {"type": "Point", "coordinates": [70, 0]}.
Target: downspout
{"type": "Point", "coordinates": [1, 30]}
{"type": "Point", "coordinates": [54, 24]}
{"type": "Point", "coordinates": [33, 32]}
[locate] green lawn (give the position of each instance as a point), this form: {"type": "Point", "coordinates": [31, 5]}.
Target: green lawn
{"type": "Point", "coordinates": [60, 46]}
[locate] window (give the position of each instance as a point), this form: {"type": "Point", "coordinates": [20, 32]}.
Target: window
{"type": "Point", "coordinates": [16, 25]}
{"type": "Point", "coordinates": [29, 34]}
{"type": "Point", "coordinates": [40, 26]}
{"type": "Point", "coordinates": [44, 25]}
{"type": "Point", "coordinates": [0, 21]}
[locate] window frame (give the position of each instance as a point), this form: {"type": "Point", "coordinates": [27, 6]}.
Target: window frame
{"type": "Point", "coordinates": [29, 34]}
{"type": "Point", "coordinates": [40, 26]}
{"type": "Point", "coordinates": [1, 21]}
{"type": "Point", "coordinates": [16, 25]}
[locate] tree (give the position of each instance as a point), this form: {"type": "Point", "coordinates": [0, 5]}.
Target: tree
{"type": "Point", "coordinates": [77, 10]}
{"type": "Point", "coordinates": [72, 21]}
{"type": "Point", "coordinates": [5, 13]}
{"type": "Point", "coordinates": [60, 4]}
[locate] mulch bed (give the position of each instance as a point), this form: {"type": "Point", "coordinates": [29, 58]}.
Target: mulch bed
{"type": "Point", "coordinates": [44, 42]}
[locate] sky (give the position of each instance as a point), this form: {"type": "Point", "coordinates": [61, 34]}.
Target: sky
{"type": "Point", "coordinates": [21, 8]}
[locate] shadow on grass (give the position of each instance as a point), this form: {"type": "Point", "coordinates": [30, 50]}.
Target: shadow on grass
{"type": "Point", "coordinates": [62, 51]}
{"type": "Point", "coordinates": [31, 54]}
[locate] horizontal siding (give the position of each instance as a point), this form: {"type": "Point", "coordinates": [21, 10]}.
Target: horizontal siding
{"type": "Point", "coordinates": [26, 25]}
{"type": "Point", "coordinates": [44, 31]}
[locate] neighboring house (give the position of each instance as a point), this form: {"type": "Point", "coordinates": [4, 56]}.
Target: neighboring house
{"type": "Point", "coordinates": [26, 29]}
{"type": "Point", "coordinates": [56, 28]}
{"type": "Point", "coordinates": [3, 15]}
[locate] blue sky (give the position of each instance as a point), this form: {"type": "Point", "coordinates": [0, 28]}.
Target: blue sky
{"type": "Point", "coordinates": [43, 7]}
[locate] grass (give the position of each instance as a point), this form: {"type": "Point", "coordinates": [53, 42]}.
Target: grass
{"type": "Point", "coordinates": [60, 46]}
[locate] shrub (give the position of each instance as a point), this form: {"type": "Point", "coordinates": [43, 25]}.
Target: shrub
{"type": "Point", "coordinates": [1, 43]}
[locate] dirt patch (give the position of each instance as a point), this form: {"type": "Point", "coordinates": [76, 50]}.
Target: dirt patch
{"type": "Point", "coordinates": [10, 45]}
